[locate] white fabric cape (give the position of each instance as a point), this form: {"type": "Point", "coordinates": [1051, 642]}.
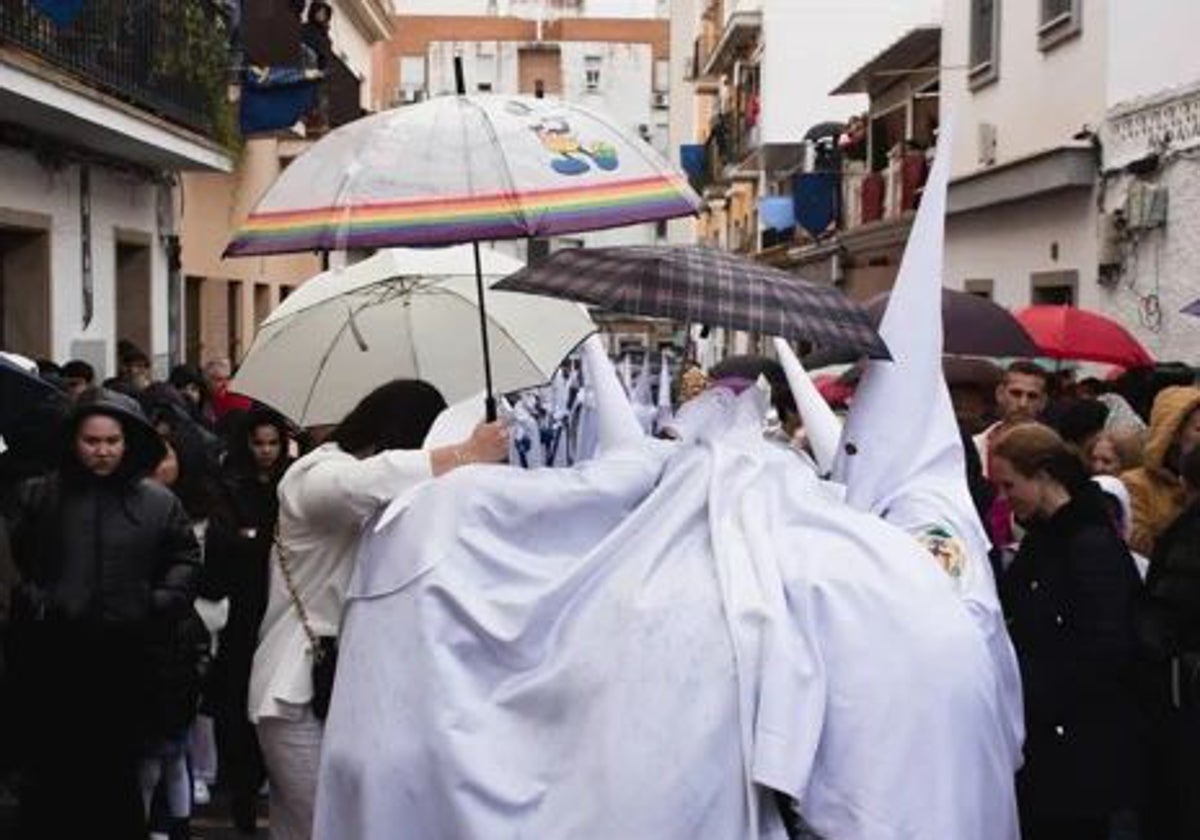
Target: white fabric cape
{"type": "Point", "coordinates": [630, 647]}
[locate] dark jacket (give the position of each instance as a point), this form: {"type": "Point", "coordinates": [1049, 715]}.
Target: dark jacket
{"type": "Point", "coordinates": [179, 658]}
{"type": "Point", "coordinates": [1070, 596]}
{"type": "Point", "coordinates": [237, 551]}
{"type": "Point", "coordinates": [1169, 623]}
{"type": "Point", "coordinates": [115, 549]}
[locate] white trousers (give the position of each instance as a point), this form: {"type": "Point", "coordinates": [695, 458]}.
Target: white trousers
{"type": "Point", "coordinates": [292, 752]}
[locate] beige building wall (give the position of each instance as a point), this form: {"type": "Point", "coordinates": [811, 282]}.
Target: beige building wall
{"type": "Point", "coordinates": [215, 205]}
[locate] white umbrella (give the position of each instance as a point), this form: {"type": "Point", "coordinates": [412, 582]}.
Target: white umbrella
{"type": "Point", "coordinates": [403, 313]}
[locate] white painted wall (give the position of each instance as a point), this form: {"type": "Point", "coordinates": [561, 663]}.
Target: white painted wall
{"type": "Point", "coordinates": [1041, 99]}
{"type": "Point", "coordinates": [685, 25]}
{"type": "Point", "coordinates": [118, 202]}
{"type": "Point", "coordinates": [626, 84]}
{"type": "Point", "coordinates": [530, 9]}
{"type": "Point", "coordinates": [1007, 243]}
{"type": "Point", "coordinates": [812, 45]}
{"type": "Point", "coordinates": [624, 93]}
{"type": "Point", "coordinates": [355, 50]}
{"type": "Point", "coordinates": [1152, 47]}
{"type": "Point", "coordinates": [1163, 266]}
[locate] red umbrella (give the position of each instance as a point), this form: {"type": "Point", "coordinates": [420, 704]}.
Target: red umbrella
{"type": "Point", "coordinates": [1065, 332]}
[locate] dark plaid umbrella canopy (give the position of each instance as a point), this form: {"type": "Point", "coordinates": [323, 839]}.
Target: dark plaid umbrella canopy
{"type": "Point", "coordinates": [704, 286]}
{"type": "Point", "coordinates": [20, 393]}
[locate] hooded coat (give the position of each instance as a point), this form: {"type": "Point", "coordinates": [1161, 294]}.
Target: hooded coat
{"type": "Point", "coordinates": [119, 549]}
{"type": "Point", "coordinates": [1155, 489]}
{"type": "Point", "coordinates": [108, 565]}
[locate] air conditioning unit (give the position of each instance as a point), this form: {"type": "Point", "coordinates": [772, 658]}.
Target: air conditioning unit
{"type": "Point", "coordinates": [660, 99]}
{"type": "Point", "coordinates": [987, 143]}
{"type": "Point", "coordinates": [1145, 206]}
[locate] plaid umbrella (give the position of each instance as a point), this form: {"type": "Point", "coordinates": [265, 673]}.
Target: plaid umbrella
{"type": "Point", "coordinates": [705, 286]}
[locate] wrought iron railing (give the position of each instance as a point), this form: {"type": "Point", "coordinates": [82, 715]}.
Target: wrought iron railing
{"type": "Point", "coordinates": [168, 57]}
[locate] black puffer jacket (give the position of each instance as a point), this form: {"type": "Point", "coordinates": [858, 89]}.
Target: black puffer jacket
{"type": "Point", "coordinates": [114, 549]}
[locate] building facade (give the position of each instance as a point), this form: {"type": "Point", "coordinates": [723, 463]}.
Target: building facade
{"type": "Point", "coordinates": [1025, 88]}
{"type": "Point", "coordinates": [1150, 204]}
{"type": "Point", "coordinates": [1074, 179]}
{"type": "Point", "coordinates": [226, 299]}
{"type": "Point", "coordinates": [103, 106]}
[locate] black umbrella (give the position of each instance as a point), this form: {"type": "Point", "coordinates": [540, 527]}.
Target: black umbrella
{"type": "Point", "coordinates": [971, 325]}
{"type": "Point", "coordinates": [704, 286]}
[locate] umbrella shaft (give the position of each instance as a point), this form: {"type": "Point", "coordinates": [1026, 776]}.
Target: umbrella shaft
{"type": "Point", "coordinates": [483, 336]}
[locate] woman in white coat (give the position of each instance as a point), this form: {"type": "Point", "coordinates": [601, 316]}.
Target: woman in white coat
{"type": "Point", "coordinates": [324, 500]}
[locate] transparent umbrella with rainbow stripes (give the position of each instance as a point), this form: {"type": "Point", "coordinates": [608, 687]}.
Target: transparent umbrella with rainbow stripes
{"type": "Point", "coordinates": [458, 169]}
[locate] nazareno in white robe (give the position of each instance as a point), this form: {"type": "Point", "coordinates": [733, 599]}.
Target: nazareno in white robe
{"type": "Point", "coordinates": [631, 647]}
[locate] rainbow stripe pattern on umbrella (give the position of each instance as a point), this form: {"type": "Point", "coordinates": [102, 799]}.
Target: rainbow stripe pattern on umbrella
{"type": "Point", "coordinates": [449, 220]}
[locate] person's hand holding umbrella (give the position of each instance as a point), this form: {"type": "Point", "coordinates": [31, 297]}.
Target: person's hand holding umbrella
{"type": "Point", "coordinates": [488, 444]}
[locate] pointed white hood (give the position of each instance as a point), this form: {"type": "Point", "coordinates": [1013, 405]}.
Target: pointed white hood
{"type": "Point", "coordinates": [618, 425]}
{"type": "Point", "coordinates": [821, 425]}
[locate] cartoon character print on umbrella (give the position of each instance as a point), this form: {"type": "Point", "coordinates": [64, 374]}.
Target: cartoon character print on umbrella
{"type": "Point", "coordinates": [570, 156]}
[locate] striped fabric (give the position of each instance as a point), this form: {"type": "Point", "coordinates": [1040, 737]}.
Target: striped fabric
{"type": "Point", "coordinates": [704, 286]}
{"type": "Point", "coordinates": [444, 221]}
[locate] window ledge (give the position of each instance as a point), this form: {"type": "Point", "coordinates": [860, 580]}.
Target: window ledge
{"type": "Point", "coordinates": [982, 75]}
{"type": "Point", "coordinates": [1059, 30]}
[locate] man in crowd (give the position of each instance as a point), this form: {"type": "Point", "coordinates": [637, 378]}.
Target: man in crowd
{"type": "Point", "coordinates": [135, 369]}
{"type": "Point", "coordinates": [108, 563]}
{"type": "Point", "coordinates": [1020, 398]}
{"type": "Point", "coordinates": [77, 377]}
{"type": "Point", "coordinates": [218, 372]}
{"type": "Point", "coordinates": [1156, 489]}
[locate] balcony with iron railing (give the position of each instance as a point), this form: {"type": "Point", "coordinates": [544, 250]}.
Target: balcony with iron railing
{"type": "Point", "coordinates": [169, 58]}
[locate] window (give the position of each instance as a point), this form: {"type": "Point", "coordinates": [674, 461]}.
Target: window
{"type": "Point", "coordinates": [1060, 20]}
{"type": "Point", "coordinates": [662, 76]}
{"type": "Point", "coordinates": [1053, 287]}
{"type": "Point", "coordinates": [485, 73]}
{"type": "Point", "coordinates": [979, 288]}
{"type": "Point", "coordinates": [985, 42]}
{"type": "Point", "coordinates": [591, 69]}
{"type": "Point", "coordinates": [412, 78]}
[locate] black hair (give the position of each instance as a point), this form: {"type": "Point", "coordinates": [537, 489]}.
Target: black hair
{"type": "Point", "coordinates": [239, 458]}
{"type": "Point", "coordinates": [1189, 468]}
{"type": "Point", "coordinates": [47, 367]}
{"type": "Point", "coordinates": [182, 375]}
{"type": "Point", "coordinates": [1028, 368]}
{"type": "Point", "coordinates": [79, 369]}
{"type": "Point", "coordinates": [397, 415]}
{"type": "Point", "coordinates": [1078, 420]}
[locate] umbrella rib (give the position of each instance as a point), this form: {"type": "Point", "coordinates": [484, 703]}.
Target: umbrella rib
{"type": "Point", "coordinates": [312, 389]}
{"type": "Point", "coordinates": [340, 232]}
{"type": "Point", "coordinates": [505, 171]}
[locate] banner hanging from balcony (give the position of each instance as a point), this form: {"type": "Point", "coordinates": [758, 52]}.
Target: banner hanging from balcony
{"type": "Point", "coordinates": [275, 98]}
{"type": "Point", "coordinates": [62, 12]}
{"type": "Point", "coordinates": [816, 197]}
{"type": "Point", "coordinates": [691, 161]}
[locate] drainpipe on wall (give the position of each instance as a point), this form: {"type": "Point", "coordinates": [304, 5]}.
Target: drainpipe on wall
{"type": "Point", "coordinates": [168, 237]}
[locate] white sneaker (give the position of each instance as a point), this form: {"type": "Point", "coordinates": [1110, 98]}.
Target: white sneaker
{"type": "Point", "coordinates": [200, 792]}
